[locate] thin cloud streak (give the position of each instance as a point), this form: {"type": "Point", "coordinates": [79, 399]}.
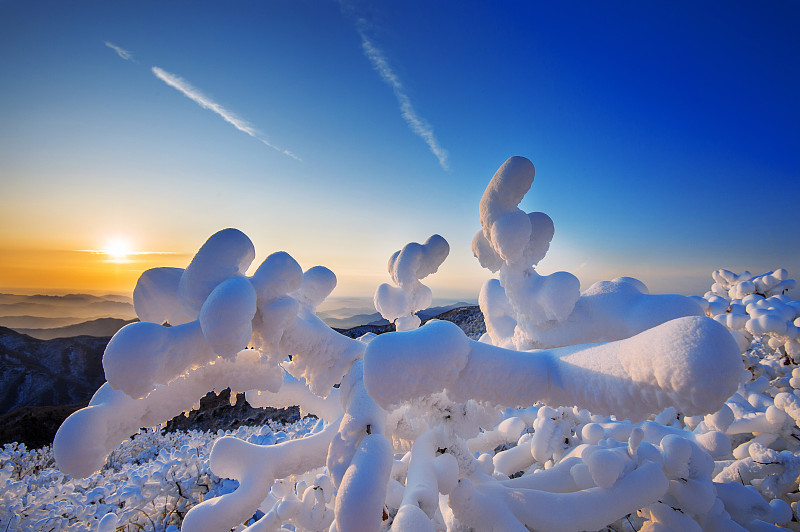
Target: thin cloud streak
{"type": "Point", "coordinates": [125, 54]}
{"type": "Point", "coordinates": [194, 94]}
{"type": "Point", "coordinates": [418, 124]}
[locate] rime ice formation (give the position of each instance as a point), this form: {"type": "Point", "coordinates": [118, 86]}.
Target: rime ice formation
{"type": "Point", "coordinates": [664, 366]}
{"type": "Point", "coordinates": [513, 242]}
{"type": "Point", "coordinates": [408, 295]}
{"type": "Point", "coordinates": [614, 310]}
{"type": "Point", "coordinates": [576, 411]}
{"type": "Point", "coordinates": [155, 298]}
{"type": "Point", "coordinates": [525, 310]}
{"type": "Point", "coordinates": [86, 437]}
{"type": "Point", "coordinates": [155, 372]}
{"type": "Point", "coordinates": [756, 305]}
{"type": "Point", "coordinates": [255, 467]}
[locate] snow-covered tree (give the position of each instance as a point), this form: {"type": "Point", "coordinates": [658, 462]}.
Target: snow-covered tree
{"type": "Point", "coordinates": [575, 410]}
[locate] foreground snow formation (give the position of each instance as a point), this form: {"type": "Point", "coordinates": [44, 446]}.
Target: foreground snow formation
{"type": "Point", "coordinates": [573, 412]}
{"type": "Point", "coordinates": [414, 262]}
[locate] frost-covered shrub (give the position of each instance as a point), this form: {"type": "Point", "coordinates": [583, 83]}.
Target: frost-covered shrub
{"type": "Point", "coordinates": [634, 412]}
{"type": "Point", "coordinates": [525, 310]}
{"type": "Point", "coordinates": [149, 481]}
{"type": "Point", "coordinates": [756, 306]}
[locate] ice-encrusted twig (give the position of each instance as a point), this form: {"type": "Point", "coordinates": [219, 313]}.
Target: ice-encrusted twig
{"type": "Point", "coordinates": [255, 467]}
{"type": "Point", "coordinates": [359, 458]}
{"type": "Point", "coordinates": [85, 439]}
{"type": "Point", "coordinates": [691, 363]}
{"type": "Point", "coordinates": [494, 507]}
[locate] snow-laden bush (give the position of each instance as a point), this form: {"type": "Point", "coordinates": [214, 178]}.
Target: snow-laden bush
{"type": "Point", "coordinates": [575, 411]}
{"type": "Point", "coordinates": [148, 482]}
{"type": "Point", "coordinates": [754, 306]}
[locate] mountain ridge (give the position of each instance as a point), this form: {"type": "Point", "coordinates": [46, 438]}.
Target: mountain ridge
{"type": "Point", "coordinates": [100, 328]}
{"type": "Point", "coordinates": [37, 372]}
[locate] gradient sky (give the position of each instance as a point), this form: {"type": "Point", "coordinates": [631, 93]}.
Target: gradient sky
{"type": "Point", "coordinates": [665, 135]}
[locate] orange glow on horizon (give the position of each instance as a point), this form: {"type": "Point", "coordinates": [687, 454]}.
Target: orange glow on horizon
{"type": "Point", "coordinates": [74, 270]}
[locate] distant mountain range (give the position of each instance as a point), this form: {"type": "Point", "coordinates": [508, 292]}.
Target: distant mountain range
{"type": "Point", "coordinates": [101, 327]}
{"type": "Point", "coordinates": [354, 321]}
{"type": "Point", "coordinates": [79, 306]}
{"type": "Point", "coordinates": [46, 317]}
{"type": "Point", "coordinates": [37, 322]}
{"type": "Point", "coordinates": [40, 315]}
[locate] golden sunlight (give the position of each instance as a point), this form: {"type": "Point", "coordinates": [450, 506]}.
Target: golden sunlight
{"type": "Point", "coordinates": [118, 250]}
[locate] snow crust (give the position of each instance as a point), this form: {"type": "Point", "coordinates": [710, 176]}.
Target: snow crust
{"type": "Point", "coordinates": [576, 411]}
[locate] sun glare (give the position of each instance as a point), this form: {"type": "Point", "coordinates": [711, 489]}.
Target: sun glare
{"type": "Point", "coordinates": [118, 250]}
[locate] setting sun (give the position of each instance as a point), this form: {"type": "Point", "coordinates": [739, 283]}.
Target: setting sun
{"type": "Point", "coordinates": [118, 250]}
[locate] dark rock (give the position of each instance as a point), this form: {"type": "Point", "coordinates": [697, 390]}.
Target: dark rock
{"type": "Point", "coordinates": [35, 426]}
{"type": "Point", "coordinates": [217, 413]}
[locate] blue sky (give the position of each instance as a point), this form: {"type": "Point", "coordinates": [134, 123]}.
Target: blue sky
{"type": "Point", "coordinates": [665, 135]}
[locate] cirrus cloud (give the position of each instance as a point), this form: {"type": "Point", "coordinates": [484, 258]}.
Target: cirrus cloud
{"type": "Point", "coordinates": [417, 123]}
{"type": "Point", "coordinates": [124, 54]}
{"type": "Point", "coordinates": [194, 94]}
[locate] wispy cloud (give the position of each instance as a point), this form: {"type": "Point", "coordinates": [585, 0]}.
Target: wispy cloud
{"type": "Point", "coordinates": [205, 102]}
{"type": "Point", "coordinates": [418, 124]}
{"type": "Point", "coordinates": [125, 54]}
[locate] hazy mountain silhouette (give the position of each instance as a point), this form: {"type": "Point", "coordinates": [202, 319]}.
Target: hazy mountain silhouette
{"type": "Point", "coordinates": [38, 322]}
{"type": "Point", "coordinates": [101, 328]}
{"type": "Point", "coordinates": [83, 306]}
